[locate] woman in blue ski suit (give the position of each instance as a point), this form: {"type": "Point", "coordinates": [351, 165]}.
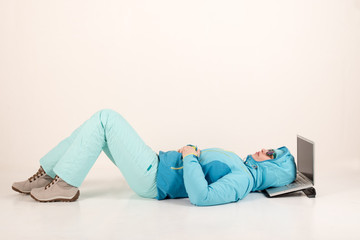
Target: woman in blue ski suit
{"type": "Point", "coordinates": [208, 177]}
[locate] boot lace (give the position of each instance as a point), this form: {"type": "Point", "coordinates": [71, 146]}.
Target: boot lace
{"type": "Point", "coordinates": [38, 174]}
{"type": "Point", "coordinates": [55, 180]}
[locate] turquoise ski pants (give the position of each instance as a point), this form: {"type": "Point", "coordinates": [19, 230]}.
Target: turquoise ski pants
{"type": "Point", "coordinates": [105, 130]}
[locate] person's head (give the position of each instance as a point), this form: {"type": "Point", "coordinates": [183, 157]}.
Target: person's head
{"type": "Point", "coordinates": [264, 154]}
{"type": "Point", "coordinates": [272, 167]}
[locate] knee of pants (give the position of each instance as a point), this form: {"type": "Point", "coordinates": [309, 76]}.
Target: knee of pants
{"type": "Point", "coordinates": [108, 112]}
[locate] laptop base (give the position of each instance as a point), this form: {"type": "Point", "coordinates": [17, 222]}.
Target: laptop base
{"type": "Point", "coordinates": [309, 192]}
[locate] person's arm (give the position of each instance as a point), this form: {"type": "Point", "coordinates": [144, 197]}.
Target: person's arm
{"type": "Point", "coordinates": [229, 188]}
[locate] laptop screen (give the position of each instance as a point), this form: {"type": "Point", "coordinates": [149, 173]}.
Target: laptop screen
{"type": "Point", "coordinates": [305, 157]}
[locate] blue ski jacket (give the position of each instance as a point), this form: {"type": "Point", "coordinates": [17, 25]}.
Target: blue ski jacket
{"type": "Point", "coordinates": [219, 176]}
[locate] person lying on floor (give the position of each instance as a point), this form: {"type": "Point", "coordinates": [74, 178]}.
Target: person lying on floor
{"type": "Point", "coordinates": [210, 176]}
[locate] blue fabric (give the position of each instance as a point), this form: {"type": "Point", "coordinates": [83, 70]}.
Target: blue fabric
{"type": "Point", "coordinates": [274, 172]}
{"type": "Point", "coordinates": [169, 178]}
{"type": "Point", "coordinates": [218, 176]}
{"type": "Point", "coordinates": [170, 182]}
{"type": "Point", "coordinates": [215, 170]}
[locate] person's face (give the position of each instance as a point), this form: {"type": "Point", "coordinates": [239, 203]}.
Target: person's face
{"type": "Point", "coordinates": [261, 155]}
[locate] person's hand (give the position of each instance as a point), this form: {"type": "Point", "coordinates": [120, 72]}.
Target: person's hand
{"type": "Point", "coordinates": [189, 150]}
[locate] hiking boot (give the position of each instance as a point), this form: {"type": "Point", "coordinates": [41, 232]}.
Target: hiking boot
{"type": "Point", "coordinates": [56, 191]}
{"type": "Point", "coordinates": [39, 179]}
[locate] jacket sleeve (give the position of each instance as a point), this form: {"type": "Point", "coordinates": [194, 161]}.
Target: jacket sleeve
{"type": "Point", "coordinates": [229, 188]}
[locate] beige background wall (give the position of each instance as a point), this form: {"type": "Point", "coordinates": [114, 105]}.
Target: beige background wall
{"type": "Point", "coordinates": [240, 75]}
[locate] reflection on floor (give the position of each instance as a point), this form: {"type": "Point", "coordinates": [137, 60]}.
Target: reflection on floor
{"type": "Point", "coordinates": [108, 209]}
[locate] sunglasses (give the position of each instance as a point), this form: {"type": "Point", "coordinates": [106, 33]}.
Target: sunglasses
{"type": "Point", "coordinates": [271, 153]}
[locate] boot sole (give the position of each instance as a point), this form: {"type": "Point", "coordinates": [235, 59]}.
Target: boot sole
{"type": "Point", "coordinates": [59, 199]}
{"type": "Point", "coordinates": [17, 190]}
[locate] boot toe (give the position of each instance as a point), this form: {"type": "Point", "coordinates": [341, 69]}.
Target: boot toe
{"type": "Point", "coordinates": [36, 193]}
{"type": "Point", "coordinates": [20, 187]}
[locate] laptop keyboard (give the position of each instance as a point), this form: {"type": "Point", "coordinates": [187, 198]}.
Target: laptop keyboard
{"type": "Point", "coordinates": [300, 181]}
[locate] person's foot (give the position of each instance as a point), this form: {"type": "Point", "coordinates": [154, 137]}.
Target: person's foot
{"type": "Point", "coordinates": [56, 191]}
{"type": "Point", "coordinates": [39, 179]}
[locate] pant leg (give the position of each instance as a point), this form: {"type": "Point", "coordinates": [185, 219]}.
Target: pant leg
{"type": "Point", "coordinates": [107, 130]}
{"type": "Point", "coordinates": [49, 161]}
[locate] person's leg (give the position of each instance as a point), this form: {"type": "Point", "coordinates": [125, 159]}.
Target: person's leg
{"type": "Point", "coordinates": [107, 130]}
{"type": "Point", "coordinates": [50, 159]}
{"type": "Point", "coordinates": [45, 174]}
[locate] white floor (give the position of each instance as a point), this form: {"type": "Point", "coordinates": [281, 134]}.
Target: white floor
{"type": "Point", "coordinates": [108, 209]}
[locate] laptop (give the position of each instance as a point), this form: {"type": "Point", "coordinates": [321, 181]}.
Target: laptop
{"type": "Point", "coordinates": [305, 172]}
